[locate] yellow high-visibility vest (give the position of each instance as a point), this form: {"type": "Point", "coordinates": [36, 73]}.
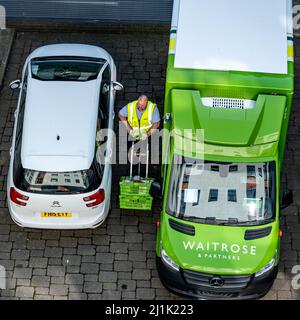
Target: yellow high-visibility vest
{"type": "Point", "coordinates": [145, 123]}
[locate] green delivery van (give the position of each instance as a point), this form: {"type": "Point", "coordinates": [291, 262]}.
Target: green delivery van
{"type": "Point", "coordinates": [230, 76]}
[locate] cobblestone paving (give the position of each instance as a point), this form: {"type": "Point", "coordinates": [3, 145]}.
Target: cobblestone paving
{"type": "Point", "coordinates": [117, 260]}
{"type": "Point", "coordinates": [6, 37]}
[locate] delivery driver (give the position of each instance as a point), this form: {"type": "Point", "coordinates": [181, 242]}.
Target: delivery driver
{"type": "Point", "coordinates": [140, 117]}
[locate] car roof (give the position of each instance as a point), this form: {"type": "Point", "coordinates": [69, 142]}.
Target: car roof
{"type": "Point", "coordinates": [60, 122]}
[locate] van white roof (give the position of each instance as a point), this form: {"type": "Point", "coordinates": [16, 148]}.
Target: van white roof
{"type": "Point", "coordinates": [60, 122]}
{"type": "Point", "coordinates": [232, 35]}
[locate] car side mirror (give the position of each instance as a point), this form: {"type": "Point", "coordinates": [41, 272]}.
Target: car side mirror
{"type": "Point", "coordinates": [15, 84]}
{"type": "Point", "coordinates": [155, 190]}
{"type": "Point", "coordinates": [117, 86]}
{"type": "Point", "coordinates": [287, 199]}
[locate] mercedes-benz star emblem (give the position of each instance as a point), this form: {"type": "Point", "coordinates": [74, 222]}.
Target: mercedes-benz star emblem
{"type": "Point", "coordinates": [216, 282]}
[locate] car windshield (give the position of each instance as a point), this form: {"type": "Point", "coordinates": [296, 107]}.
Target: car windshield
{"type": "Point", "coordinates": [222, 193]}
{"type": "Point", "coordinates": [55, 69]}
{"type": "Point", "coordinates": [58, 182]}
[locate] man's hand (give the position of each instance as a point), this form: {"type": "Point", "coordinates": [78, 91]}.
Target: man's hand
{"type": "Point", "coordinates": [144, 136]}
{"type": "Point", "coordinates": [125, 122]}
{"type": "Point", "coordinates": [153, 129]}
{"type": "Point", "coordinates": [131, 134]}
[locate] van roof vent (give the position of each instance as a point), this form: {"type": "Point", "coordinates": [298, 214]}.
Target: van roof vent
{"type": "Point", "coordinates": [228, 103]}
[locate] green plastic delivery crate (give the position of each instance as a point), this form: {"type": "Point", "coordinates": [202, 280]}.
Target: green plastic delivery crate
{"type": "Point", "coordinates": [136, 202]}
{"type": "Point", "coordinates": [128, 186]}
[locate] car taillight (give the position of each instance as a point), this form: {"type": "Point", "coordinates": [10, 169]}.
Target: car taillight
{"type": "Point", "coordinates": [16, 197]}
{"type": "Point", "coordinates": [95, 198]}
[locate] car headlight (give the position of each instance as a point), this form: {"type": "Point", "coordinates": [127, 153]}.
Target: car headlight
{"type": "Point", "coordinates": [266, 268]}
{"type": "Point", "coordinates": [168, 261]}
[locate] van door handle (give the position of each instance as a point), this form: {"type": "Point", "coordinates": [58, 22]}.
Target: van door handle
{"type": "Point", "coordinates": [15, 114]}
{"type": "Point", "coordinates": [10, 151]}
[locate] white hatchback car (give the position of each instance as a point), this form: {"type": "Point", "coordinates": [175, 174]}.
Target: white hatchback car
{"type": "Point", "coordinates": [57, 179]}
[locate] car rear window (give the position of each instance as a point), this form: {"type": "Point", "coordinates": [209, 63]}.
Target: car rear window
{"type": "Point", "coordinates": [66, 69]}
{"type": "Point", "coordinates": [59, 182]}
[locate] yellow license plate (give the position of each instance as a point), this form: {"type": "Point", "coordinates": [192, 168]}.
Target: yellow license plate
{"type": "Point", "coordinates": [56, 215]}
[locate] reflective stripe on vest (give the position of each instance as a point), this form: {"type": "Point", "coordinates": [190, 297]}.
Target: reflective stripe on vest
{"type": "Point", "coordinates": [145, 123]}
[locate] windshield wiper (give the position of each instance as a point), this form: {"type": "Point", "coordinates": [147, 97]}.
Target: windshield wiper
{"type": "Point", "coordinates": [192, 218]}
{"type": "Point", "coordinates": [248, 223]}
{"type": "Point", "coordinates": [207, 220]}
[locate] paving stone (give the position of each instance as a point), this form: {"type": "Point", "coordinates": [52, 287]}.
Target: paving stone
{"type": "Point", "coordinates": [284, 295]}
{"type": "Point", "coordinates": [23, 282]}
{"type": "Point", "coordinates": [89, 268]}
{"type": "Point", "coordinates": [126, 285]}
{"type": "Point", "coordinates": [53, 252]}
{"type": "Point", "coordinates": [75, 288]}
{"type": "Point", "coordinates": [105, 276]}
{"type": "Point", "coordinates": [104, 257]}
{"type": "Point", "coordinates": [133, 237]}
{"type": "Point", "coordinates": [73, 269]}
{"type": "Point", "coordinates": [119, 247]}
{"type": "Point", "coordinates": [101, 240]}
{"type": "Point", "coordinates": [109, 286]}
{"type": "Point", "coordinates": [77, 296]}
{"type": "Point", "coordinates": [123, 266]}
{"type": "Point", "coordinates": [5, 246]}
{"type": "Point", "coordinates": [60, 298]}
{"type": "Point", "coordinates": [91, 277]}
{"type": "Point", "coordinates": [24, 292]}
{"type": "Point", "coordinates": [20, 254]}
{"type": "Point", "coordinates": [156, 283]}
{"type": "Point", "coordinates": [145, 293]}
{"type": "Point", "coordinates": [68, 242]}
{"type": "Point", "coordinates": [21, 263]}
{"type": "Point", "coordinates": [40, 281]}
{"type": "Point", "coordinates": [36, 253]}
{"type": "Point", "coordinates": [111, 295]}
{"type": "Point", "coordinates": [57, 280]}
{"type": "Point", "coordinates": [137, 255]}
{"type": "Point", "coordinates": [23, 273]}
{"type": "Point", "coordinates": [92, 287]}
{"type": "Point", "coordinates": [115, 230]}
{"type": "Point", "coordinates": [74, 279]}
{"type": "Point", "coordinates": [88, 259]}
{"type": "Point", "coordinates": [38, 262]}
{"type": "Point", "coordinates": [69, 251]}
{"type": "Point", "coordinates": [87, 250]}
{"type": "Point", "coordinates": [93, 296]}
{"type": "Point", "coordinates": [121, 257]}
{"type": "Point", "coordinates": [56, 271]}
{"type": "Point", "coordinates": [51, 235]}
{"type": "Point", "coordinates": [58, 289]}
{"type": "Point", "coordinates": [43, 297]}
{"type": "Point", "coordinates": [52, 243]}
{"type": "Point", "coordinates": [71, 260]}
{"type": "Point", "coordinates": [41, 291]}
